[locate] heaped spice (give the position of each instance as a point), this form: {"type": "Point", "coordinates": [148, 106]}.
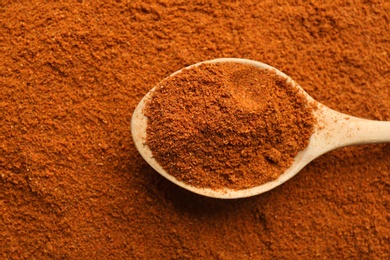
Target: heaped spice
{"type": "Point", "coordinates": [227, 125]}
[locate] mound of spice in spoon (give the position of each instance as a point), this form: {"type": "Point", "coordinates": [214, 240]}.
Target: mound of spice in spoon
{"type": "Point", "coordinates": [227, 125]}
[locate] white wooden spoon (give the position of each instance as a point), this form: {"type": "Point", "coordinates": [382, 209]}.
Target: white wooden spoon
{"type": "Point", "coordinates": [331, 131]}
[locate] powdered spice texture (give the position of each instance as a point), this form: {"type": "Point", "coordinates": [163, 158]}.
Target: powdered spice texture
{"type": "Point", "coordinates": [72, 183]}
{"type": "Point", "coordinates": [227, 125]}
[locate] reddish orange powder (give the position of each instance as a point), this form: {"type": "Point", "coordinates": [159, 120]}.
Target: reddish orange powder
{"type": "Point", "coordinates": [72, 183]}
{"type": "Point", "coordinates": [227, 125]}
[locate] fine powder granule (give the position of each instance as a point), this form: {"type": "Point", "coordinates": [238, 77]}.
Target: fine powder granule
{"type": "Point", "coordinates": [72, 183]}
{"type": "Point", "coordinates": [227, 125]}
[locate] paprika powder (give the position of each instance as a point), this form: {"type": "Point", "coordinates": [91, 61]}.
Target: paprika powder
{"type": "Point", "coordinates": [73, 185]}
{"type": "Point", "coordinates": [227, 125]}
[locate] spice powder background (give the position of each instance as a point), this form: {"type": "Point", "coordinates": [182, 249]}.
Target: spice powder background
{"type": "Point", "coordinates": [72, 184]}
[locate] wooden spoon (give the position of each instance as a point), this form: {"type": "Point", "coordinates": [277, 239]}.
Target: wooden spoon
{"type": "Point", "coordinates": [331, 131]}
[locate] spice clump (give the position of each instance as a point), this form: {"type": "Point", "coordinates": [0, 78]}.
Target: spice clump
{"type": "Point", "coordinates": [227, 125]}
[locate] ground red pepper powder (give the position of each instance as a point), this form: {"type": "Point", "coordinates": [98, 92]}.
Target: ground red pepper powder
{"type": "Point", "coordinates": [73, 185]}
{"type": "Point", "coordinates": [227, 125]}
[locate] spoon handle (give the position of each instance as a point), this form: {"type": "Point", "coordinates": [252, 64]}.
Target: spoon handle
{"type": "Point", "coordinates": [336, 130]}
{"type": "Point", "coordinates": [362, 131]}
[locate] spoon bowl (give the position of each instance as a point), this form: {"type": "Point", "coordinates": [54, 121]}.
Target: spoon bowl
{"type": "Point", "coordinates": [332, 130]}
